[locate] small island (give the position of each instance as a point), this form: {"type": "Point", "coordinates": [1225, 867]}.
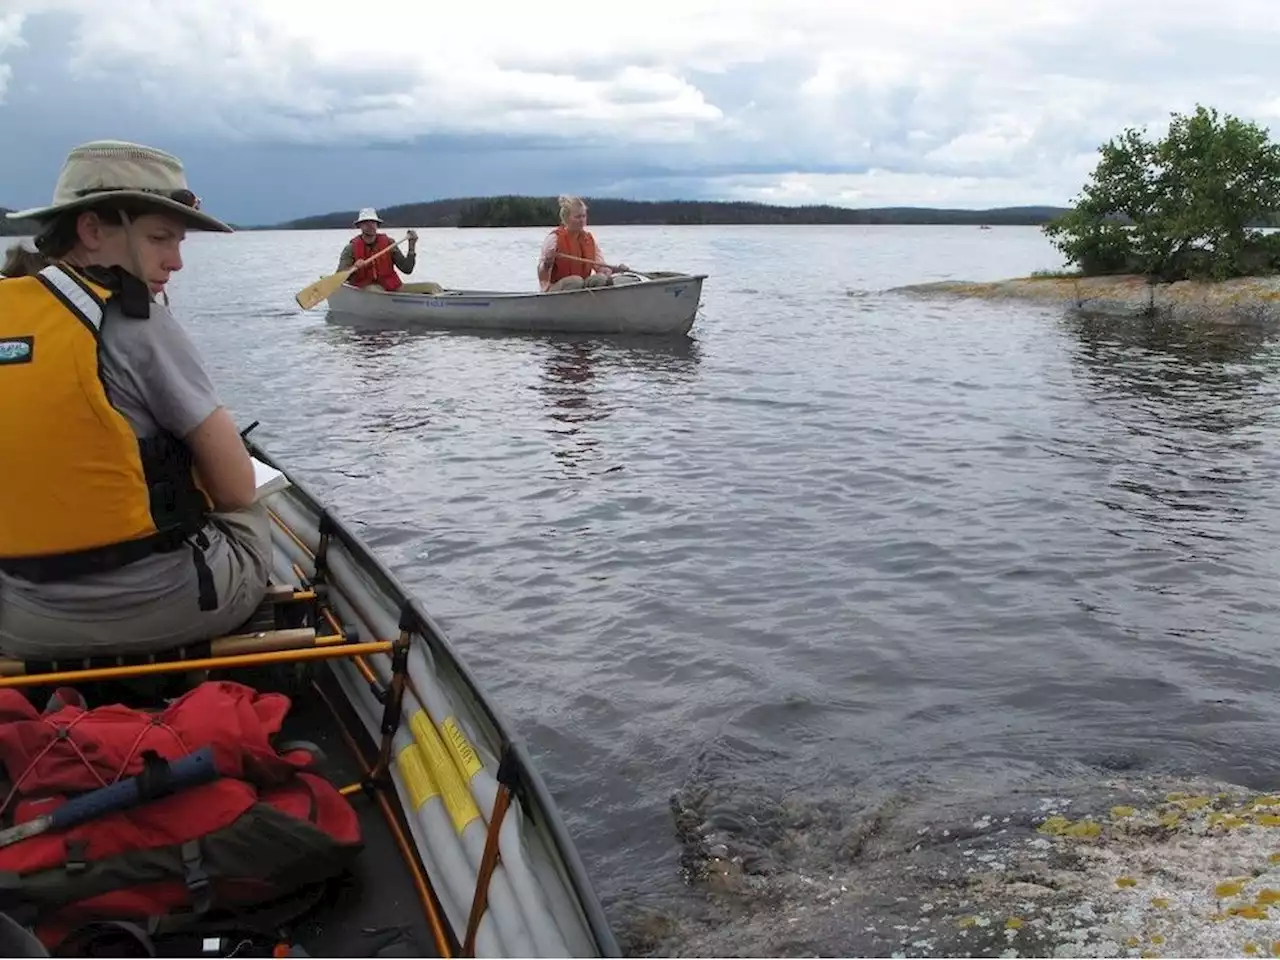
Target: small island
{"type": "Point", "coordinates": [1167, 228]}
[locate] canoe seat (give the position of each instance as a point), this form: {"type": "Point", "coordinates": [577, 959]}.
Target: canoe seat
{"type": "Point", "coordinates": [288, 618]}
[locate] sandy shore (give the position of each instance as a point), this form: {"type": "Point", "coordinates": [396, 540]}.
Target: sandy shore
{"type": "Point", "coordinates": [1244, 299]}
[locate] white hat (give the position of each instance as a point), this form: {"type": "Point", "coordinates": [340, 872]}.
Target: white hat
{"type": "Point", "coordinates": [368, 213]}
{"type": "Point", "coordinates": [93, 171]}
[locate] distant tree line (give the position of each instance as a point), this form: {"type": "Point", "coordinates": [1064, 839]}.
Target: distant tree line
{"type": "Point", "coordinates": [529, 211]}
{"type": "Point", "coordinates": [509, 211]}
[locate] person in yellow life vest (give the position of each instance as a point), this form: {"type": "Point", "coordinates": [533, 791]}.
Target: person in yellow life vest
{"type": "Point", "coordinates": [379, 274]}
{"type": "Point", "coordinates": [559, 272]}
{"type": "Point", "coordinates": [128, 521]}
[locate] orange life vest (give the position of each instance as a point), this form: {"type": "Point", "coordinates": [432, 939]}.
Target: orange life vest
{"type": "Point", "coordinates": [576, 245]}
{"type": "Point", "coordinates": [381, 271]}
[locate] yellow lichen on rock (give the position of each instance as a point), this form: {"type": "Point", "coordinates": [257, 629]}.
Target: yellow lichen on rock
{"type": "Point", "coordinates": [1248, 911]}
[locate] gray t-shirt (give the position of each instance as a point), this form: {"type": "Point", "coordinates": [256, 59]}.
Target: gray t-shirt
{"type": "Point", "coordinates": [155, 377]}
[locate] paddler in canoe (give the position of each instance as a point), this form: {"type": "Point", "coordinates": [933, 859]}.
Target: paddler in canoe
{"type": "Point", "coordinates": [127, 515]}
{"type": "Point", "coordinates": [379, 274]}
{"type": "Point", "coordinates": [571, 258]}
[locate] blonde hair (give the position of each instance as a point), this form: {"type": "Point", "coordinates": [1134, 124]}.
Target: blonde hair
{"type": "Point", "coordinates": [20, 261]}
{"type": "Point", "coordinates": [568, 205]}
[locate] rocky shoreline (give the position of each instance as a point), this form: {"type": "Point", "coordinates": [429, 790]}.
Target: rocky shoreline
{"type": "Point", "coordinates": [1242, 300]}
{"type": "Point", "coordinates": [1125, 866]}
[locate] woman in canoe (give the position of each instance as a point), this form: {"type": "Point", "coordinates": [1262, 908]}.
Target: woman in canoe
{"type": "Point", "coordinates": [127, 515]}
{"type": "Point", "coordinates": [561, 265]}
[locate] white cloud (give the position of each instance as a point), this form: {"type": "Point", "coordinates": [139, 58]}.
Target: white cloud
{"type": "Point", "coordinates": [10, 37]}
{"type": "Point", "coordinates": [994, 99]}
{"type": "Point", "coordinates": [884, 188]}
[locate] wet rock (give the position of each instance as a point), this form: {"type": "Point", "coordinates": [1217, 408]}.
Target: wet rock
{"type": "Point", "coordinates": [1246, 299]}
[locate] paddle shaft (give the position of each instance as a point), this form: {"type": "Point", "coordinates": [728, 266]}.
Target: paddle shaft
{"type": "Point", "coordinates": [570, 256]}
{"type": "Point", "coordinates": [195, 768]}
{"type": "Point", "coordinates": [361, 263]}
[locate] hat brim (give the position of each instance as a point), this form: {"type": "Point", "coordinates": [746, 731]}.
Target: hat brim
{"type": "Point", "coordinates": [357, 223]}
{"type": "Point", "coordinates": [190, 216]}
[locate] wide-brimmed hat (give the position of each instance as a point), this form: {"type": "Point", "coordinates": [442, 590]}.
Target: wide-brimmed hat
{"type": "Point", "coordinates": [117, 169]}
{"type": "Point", "coordinates": [367, 213]}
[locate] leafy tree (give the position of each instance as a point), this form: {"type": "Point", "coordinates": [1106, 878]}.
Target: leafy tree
{"type": "Point", "coordinates": [1178, 208]}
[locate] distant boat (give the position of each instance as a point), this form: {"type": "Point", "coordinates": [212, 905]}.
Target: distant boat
{"type": "Point", "coordinates": [664, 304]}
{"type": "Point", "coordinates": [984, 227]}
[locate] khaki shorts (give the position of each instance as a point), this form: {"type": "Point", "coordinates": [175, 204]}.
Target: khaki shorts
{"type": "Point", "coordinates": [148, 606]}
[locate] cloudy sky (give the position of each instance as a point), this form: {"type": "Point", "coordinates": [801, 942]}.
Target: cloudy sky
{"type": "Point", "coordinates": [283, 108]}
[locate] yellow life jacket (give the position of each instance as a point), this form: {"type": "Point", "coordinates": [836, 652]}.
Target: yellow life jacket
{"type": "Point", "coordinates": [79, 492]}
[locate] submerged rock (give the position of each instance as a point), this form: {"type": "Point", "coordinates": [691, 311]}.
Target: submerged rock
{"type": "Point", "coordinates": [1245, 299]}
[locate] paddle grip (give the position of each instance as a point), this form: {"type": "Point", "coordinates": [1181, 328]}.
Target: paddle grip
{"type": "Point", "coordinates": [188, 771]}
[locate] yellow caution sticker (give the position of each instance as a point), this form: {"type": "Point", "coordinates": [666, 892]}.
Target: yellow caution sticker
{"type": "Point", "coordinates": [457, 798]}
{"type": "Point", "coordinates": [458, 744]}
{"type": "Point", "coordinates": [416, 777]}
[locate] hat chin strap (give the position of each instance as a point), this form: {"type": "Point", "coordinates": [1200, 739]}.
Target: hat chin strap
{"type": "Point", "coordinates": [136, 257]}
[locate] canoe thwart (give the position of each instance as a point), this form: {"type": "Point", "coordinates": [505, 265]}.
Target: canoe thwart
{"type": "Point", "coordinates": [288, 618]}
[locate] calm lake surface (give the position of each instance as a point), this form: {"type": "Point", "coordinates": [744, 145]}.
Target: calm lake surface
{"type": "Point", "coordinates": [840, 545]}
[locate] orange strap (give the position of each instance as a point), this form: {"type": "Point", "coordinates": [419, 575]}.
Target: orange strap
{"type": "Point", "coordinates": [489, 861]}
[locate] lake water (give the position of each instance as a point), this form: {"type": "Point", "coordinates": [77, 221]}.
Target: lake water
{"type": "Point", "coordinates": [839, 546]}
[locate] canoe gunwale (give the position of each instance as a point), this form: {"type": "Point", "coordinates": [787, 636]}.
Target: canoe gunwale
{"type": "Point", "coordinates": [462, 293]}
{"type": "Point", "coordinates": [413, 614]}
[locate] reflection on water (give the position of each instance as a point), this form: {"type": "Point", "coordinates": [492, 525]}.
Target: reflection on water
{"type": "Point", "coordinates": [569, 374]}
{"type": "Point", "coordinates": [1188, 404]}
{"type": "Point", "coordinates": [579, 381]}
{"type": "Point", "coordinates": [1178, 363]}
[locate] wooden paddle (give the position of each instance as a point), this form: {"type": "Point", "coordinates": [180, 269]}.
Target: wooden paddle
{"type": "Point", "coordinates": [323, 289]}
{"type": "Point", "coordinates": [638, 273]}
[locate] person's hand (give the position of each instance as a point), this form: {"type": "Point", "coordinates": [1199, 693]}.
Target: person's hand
{"type": "Point", "coordinates": [621, 268]}
{"type": "Point", "coordinates": [413, 237]}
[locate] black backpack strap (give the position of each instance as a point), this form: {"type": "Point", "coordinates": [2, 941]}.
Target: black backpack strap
{"type": "Point", "coordinates": [106, 938]}
{"type": "Point", "coordinates": [266, 919]}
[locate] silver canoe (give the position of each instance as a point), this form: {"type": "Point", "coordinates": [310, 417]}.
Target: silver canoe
{"type": "Point", "coordinates": [664, 305]}
{"type": "Point", "coordinates": [539, 901]}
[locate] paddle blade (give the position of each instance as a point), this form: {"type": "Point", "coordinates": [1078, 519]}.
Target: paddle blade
{"type": "Point", "coordinates": [321, 290]}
